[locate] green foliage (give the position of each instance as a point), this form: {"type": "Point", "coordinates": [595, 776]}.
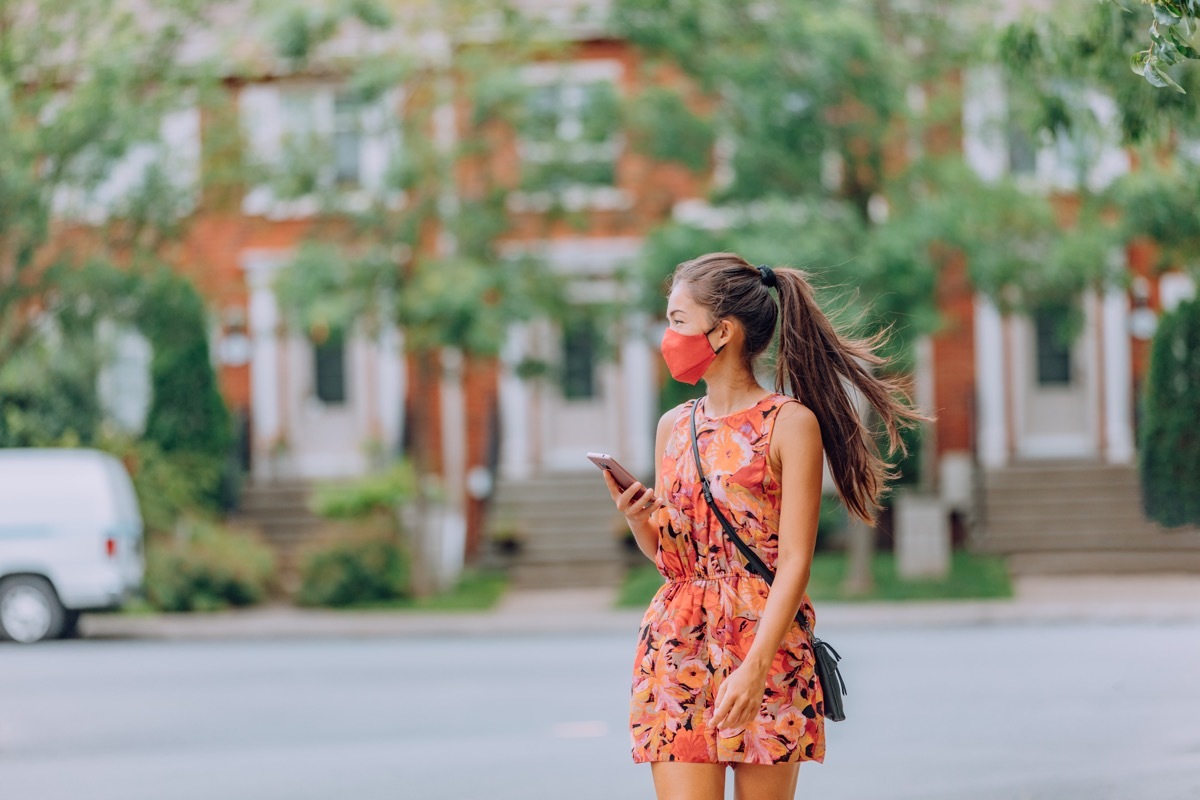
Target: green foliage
{"type": "Point", "coordinates": [795, 81]}
{"type": "Point", "coordinates": [1170, 41]}
{"type": "Point", "coordinates": [48, 396]}
{"type": "Point", "coordinates": [209, 568]}
{"type": "Point", "coordinates": [1091, 48]}
{"type": "Point", "coordinates": [168, 486]}
{"type": "Point", "coordinates": [662, 126]}
{"type": "Point", "coordinates": [1170, 440]}
{"type": "Point", "coordinates": [1161, 205]}
{"type": "Point", "coordinates": [65, 124]}
{"type": "Point", "coordinates": [363, 567]}
{"type": "Point", "coordinates": [378, 494]}
{"type": "Point", "coordinates": [187, 417]}
{"type": "Point", "coordinates": [832, 520]}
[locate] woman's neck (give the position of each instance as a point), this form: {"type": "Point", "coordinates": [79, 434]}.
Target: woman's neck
{"type": "Point", "coordinates": [730, 389]}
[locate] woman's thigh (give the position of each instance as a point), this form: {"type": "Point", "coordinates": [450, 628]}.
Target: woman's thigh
{"type": "Point", "coordinates": [680, 780]}
{"type": "Point", "coordinates": [765, 781]}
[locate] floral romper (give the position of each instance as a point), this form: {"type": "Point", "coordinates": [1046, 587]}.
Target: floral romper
{"type": "Point", "coordinates": [702, 621]}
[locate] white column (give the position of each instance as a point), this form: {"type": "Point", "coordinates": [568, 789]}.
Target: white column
{"type": "Point", "coordinates": [637, 379]}
{"type": "Point", "coordinates": [389, 356]}
{"type": "Point", "coordinates": [264, 372]}
{"type": "Point", "coordinates": [514, 408]}
{"type": "Point", "coordinates": [454, 459]}
{"type": "Point", "coordinates": [990, 384]}
{"type": "Point", "coordinates": [1118, 377]}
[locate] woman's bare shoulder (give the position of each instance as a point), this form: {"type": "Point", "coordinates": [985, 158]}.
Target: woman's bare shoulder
{"type": "Point", "coordinates": [668, 419]}
{"type": "Point", "coordinates": [796, 421]}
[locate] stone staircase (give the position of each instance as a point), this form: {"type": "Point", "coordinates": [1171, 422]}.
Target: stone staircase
{"type": "Point", "coordinates": [568, 532]}
{"type": "Point", "coordinates": [1059, 518]}
{"type": "Point", "coordinates": [280, 512]}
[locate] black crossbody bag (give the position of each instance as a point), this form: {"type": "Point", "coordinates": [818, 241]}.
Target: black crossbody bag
{"type": "Point", "coordinates": [832, 685]}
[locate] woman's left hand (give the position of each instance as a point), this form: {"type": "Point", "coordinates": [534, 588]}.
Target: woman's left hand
{"type": "Point", "coordinates": [739, 698]}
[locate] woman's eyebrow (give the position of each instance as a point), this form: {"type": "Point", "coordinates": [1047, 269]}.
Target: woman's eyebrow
{"type": "Point", "coordinates": [671, 314]}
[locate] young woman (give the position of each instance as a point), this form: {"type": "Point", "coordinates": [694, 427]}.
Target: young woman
{"type": "Point", "coordinates": [723, 673]}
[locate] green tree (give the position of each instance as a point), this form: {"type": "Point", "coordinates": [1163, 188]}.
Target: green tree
{"type": "Point", "coordinates": [1170, 446]}
{"type": "Point", "coordinates": [1172, 25]}
{"type": "Point", "coordinates": [423, 251]}
{"type": "Point", "coordinates": [804, 102]}
{"type": "Point", "coordinates": [82, 87]}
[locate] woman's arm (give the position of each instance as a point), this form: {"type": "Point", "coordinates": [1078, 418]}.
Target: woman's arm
{"type": "Point", "coordinates": [639, 514]}
{"type": "Point", "coordinates": [797, 457]}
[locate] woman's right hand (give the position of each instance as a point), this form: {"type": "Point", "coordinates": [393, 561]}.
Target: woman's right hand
{"type": "Point", "coordinates": [637, 502]}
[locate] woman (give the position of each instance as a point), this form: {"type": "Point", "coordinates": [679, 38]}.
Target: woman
{"type": "Point", "coordinates": [723, 674]}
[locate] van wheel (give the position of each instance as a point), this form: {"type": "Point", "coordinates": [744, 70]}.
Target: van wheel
{"type": "Point", "coordinates": [30, 610]}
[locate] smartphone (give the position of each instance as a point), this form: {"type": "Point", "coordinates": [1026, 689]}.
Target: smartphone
{"type": "Point", "coordinates": [623, 477]}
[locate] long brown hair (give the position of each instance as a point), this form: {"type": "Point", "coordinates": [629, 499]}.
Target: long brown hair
{"type": "Point", "coordinates": [815, 364]}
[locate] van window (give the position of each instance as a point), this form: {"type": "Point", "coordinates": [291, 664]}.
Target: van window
{"type": "Point", "coordinates": [55, 490]}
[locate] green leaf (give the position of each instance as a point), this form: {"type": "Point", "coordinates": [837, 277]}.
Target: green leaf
{"type": "Point", "coordinates": [1164, 16]}
{"type": "Point", "coordinates": [1184, 47]}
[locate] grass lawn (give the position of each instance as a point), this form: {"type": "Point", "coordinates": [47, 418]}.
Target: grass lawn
{"type": "Point", "coordinates": [476, 591]}
{"type": "Point", "coordinates": [971, 577]}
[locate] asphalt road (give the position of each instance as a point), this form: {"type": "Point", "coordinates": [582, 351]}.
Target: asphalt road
{"type": "Point", "coordinates": [1014, 712]}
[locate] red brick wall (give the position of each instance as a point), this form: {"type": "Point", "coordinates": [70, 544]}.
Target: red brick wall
{"type": "Point", "coordinates": [954, 358]}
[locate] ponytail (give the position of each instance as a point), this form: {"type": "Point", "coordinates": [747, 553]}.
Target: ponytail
{"type": "Point", "coordinates": [814, 363]}
{"type": "Point", "coordinates": [817, 365]}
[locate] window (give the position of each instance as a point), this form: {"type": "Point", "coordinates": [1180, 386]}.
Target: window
{"type": "Point", "coordinates": [1053, 346]}
{"type": "Point", "coordinates": [347, 144]}
{"type": "Point", "coordinates": [1022, 152]}
{"type": "Point", "coordinates": [329, 358]}
{"type": "Point", "coordinates": [569, 134]}
{"type": "Point", "coordinates": [320, 146]}
{"type": "Point", "coordinates": [324, 130]}
{"type": "Point", "coordinates": [579, 359]}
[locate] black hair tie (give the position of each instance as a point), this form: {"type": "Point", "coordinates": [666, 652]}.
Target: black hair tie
{"type": "Point", "coordinates": [768, 276]}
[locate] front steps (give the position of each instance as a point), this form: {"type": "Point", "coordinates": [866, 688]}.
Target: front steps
{"type": "Point", "coordinates": [566, 530]}
{"type": "Point", "coordinates": [1063, 518]}
{"type": "Point", "coordinates": [280, 512]}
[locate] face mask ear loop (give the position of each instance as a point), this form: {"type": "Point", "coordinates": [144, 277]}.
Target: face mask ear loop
{"type": "Point", "coordinates": [716, 350]}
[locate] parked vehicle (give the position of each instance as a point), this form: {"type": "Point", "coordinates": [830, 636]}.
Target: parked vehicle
{"type": "Point", "coordinates": [70, 539]}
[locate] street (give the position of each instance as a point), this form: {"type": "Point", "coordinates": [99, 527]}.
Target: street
{"type": "Point", "coordinates": [1004, 712]}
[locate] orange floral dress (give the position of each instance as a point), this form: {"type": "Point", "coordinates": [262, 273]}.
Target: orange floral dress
{"type": "Point", "coordinates": [700, 624]}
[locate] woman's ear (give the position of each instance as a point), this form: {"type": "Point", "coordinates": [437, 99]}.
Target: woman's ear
{"type": "Point", "coordinates": [725, 330]}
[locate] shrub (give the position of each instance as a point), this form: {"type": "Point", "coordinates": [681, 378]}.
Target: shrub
{"type": "Point", "coordinates": [1170, 444]}
{"type": "Point", "coordinates": [210, 567]}
{"type": "Point", "coordinates": [361, 565]}
{"type": "Point", "coordinates": [187, 414]}
{"type": "Point", "coordinates": [366, 497]}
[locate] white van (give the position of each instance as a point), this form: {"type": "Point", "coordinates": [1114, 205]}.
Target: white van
{"type": "Point", "coordinates": [70, 539]}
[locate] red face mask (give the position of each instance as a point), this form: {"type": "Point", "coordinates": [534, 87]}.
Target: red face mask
{"type": "Point", "coordinates": [688, 356]}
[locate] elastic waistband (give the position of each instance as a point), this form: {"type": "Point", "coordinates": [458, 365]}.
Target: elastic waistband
{"type": "Point", "coordinates": [724, 576]}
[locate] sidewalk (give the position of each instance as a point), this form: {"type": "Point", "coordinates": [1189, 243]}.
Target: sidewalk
{"type": "Point", "coordinates": [1039, 600]}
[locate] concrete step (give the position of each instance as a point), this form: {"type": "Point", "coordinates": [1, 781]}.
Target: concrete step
{"type": "Point", "coordinates": [1101, 562]}
{"type": "Point", "coordinates": [568, 527]}
{"type": "Point", "coordinates": [566, 574]}
{"type": "Point", "coordinates": [1012, 543]}
{"type": "Point", "coordinates": [1078, 518]}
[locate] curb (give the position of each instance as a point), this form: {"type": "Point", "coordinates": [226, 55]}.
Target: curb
{"type": "Point", "coordinates": [290, 623]}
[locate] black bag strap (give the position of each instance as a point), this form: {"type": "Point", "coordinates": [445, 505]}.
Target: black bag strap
{"type": "Point", "coordinates": [753, 561]}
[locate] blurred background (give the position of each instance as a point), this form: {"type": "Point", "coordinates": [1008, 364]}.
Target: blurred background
{"type": "Point", "coordinates": [314, 305]}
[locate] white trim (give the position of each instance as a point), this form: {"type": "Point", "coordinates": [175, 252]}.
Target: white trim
{"type": "Point", "coordinates": [990, 386]}
{"type": "Point", "coordinates": [1118, 372]}
{"type": "Point", "coordinates": [1174, 288]}
{"type": "Point", "coordinates": [515, 407]}
{"type": "Point", "coordinates": [581, 71]}
{"type": "Point", "coordinates": [637, 396]}
{"type": "Point", "coordinates": [266, 391]}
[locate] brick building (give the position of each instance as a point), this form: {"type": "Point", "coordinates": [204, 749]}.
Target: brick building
{"type": "Point", "coordinates": [1008, 395]}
